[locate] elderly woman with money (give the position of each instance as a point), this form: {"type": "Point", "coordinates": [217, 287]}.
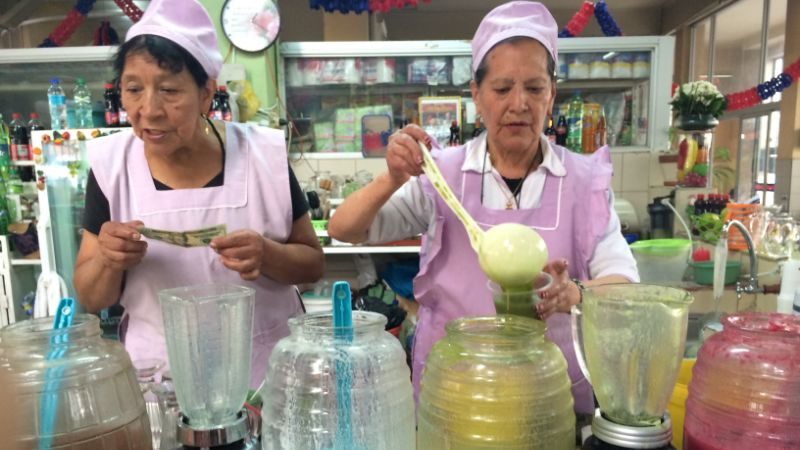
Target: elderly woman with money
{"type": "Point", "coordinates": [183, 200]}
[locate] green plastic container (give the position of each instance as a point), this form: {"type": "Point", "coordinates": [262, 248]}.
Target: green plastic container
{"type": "Point", "coordinates": [661, 261]}
{"type": "Point", "coordinates": [704, 272]}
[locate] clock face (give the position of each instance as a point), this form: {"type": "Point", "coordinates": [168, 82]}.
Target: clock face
{"type": "Point", "coordinates": [251, 25]}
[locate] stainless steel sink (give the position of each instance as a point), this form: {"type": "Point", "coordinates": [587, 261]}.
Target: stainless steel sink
{"type": "Point", "coordinates": [695, 324]}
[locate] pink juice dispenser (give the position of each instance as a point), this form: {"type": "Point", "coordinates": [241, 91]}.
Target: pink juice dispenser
{"type": "Point", "coordinates": [745, 388]}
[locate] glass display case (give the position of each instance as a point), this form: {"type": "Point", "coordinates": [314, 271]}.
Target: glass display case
{"type": "Point", "coordinates": [332, 89]}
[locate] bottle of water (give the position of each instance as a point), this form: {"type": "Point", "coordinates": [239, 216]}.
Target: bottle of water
{"type": "Point", "coordinates": [83, 104]}
{"type": "Point", "coordinates": [58, 105]}
{"type": "Point", "coordinates": [575, 123]}
{"type": "Point", "coordinates": [5, 142]}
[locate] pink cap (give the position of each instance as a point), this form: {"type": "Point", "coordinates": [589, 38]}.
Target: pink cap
{"type": "Point", "coordinates": [519, 18]}
{"type": "Point", "coordinates": [186, 23]}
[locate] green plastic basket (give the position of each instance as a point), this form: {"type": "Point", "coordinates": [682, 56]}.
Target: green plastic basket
{"type": "Point", "coordinates": [704, 272]}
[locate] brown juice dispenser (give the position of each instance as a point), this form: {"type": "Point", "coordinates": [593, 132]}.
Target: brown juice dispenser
{"type": "Point", "coordinates": [73, 389]}
{"type": "Point", "coordinates": [209, 334]}
{"type": "Point", "coordinates": [630, 341]}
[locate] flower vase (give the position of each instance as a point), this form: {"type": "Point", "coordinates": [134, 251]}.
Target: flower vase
{"type": "Point", "coordinates": [695, 133]}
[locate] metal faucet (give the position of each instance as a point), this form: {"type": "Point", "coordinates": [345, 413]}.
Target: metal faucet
{"type": "Point", "coordinates": [750, 286]}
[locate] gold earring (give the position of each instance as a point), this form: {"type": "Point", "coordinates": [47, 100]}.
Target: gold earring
{"type": "Point", "coordinates": [204, 116]}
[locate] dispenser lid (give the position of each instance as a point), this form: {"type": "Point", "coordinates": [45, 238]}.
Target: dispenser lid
{"type": "Point", "coordinates": [661, 247]}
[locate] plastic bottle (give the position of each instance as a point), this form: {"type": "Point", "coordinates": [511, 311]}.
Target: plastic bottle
{"type": "Point", "coordinates": [561, 131]}
{"type": "Point", "coordinates": [58, 105]}
{"type": "Point", "coordinates": [600, 129]}
{"type": "Point", "coordinates": [34, 124]}
{"type": "Point", "coordinates": [111, 104]}
{"type": "Point", "coordinates": [215, 111]}
{"type": "Point", "coordinates": [5, 141]}
{"type": "Point", "coordinates": [575, 122]}
{"type": "Point", "coordinates": [700, 204]}
{"type": "Point", "coordinates": [20, 140]}
{"type": "Point", "coordinates": [550, 131]}
{"type": "Point", "coordinates": [82, 97]}
{"type": "Point", "coordinates": [123, 115]}
{"type": "Point", "coordinates": [225, 106]}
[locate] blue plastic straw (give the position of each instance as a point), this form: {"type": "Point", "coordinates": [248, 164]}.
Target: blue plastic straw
{"type": "Point", "coordinates": [343, 334]}
{"type": "Point", "coordinates": [48, 403]}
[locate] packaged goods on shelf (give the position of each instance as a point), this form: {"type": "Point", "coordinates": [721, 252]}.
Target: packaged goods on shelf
{"type": "Point", "coordinates": [622, 66]}
{"type": "Point", "coordinates": [641, 65]}
{"type": "Point", "coordinates": [294, 72]}
{"type": "Point", "coordinates": [377, 70]}
{"type": "Point", "coordinates": [323, 137]}
{"type": "Point", "coordinates": [340, 71]}
{"type": "Point", "coordinates": [462, 70]}
{"type": "Point", "coordinates": [578, 66]}
{"type": "Point", "coordinates": [432, 71]}
{"type": "Point", "coordinates": [312, 71]}
{"type": "Point", "coordinates": [599, 67]}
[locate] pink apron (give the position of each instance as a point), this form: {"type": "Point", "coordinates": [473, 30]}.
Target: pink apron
{"type": "Point", "coordinates": [571, 217]}
{"type": "Point", "coordinates": [255, 195]}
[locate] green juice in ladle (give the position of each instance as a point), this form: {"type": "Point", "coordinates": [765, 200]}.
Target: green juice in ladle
{"type": "Point", "coordinates": [511, 255]}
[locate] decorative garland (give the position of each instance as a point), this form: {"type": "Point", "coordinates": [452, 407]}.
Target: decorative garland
{"type": "Point", "coordinates": [579, 21]}
{"type": "Point", "coordinates": [131, 10]}
{"type": "Point", "coordinates": [359, 6]}
{"type": "Point", "coordinates": [67, 27]}
{"type": "Point", "coordinates": [755, 95]}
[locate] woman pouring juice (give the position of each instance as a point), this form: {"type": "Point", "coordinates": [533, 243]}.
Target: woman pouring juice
{"type": "Point", "coordinates": [510, 173]}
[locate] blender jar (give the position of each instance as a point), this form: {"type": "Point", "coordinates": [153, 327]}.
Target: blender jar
{"type": "Point", "coordinates": [311, 373]}
{"type": "Point", "coordinates": [495, 382]}
{"type": "Point", "coordinates": [85, 381]}
{"type": "Point", "coordinates": [632, 337]}
{"type": "Point", "coordinates": [745, 384]}
{"type": "Point", "coordinates": [208, 331]}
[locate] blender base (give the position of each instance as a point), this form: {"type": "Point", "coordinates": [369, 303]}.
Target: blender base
{"type": "Point", "coordinates": [235, 436]}
{"type": "Point", "coordinates": [607, 435]}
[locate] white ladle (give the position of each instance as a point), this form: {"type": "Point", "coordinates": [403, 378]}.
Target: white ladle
{"type": "Point", "coordinates": [510, 254]}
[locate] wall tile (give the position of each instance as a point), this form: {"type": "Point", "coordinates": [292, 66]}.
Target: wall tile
{"type": "Point", "coordinates": [616, 181]}
{"type": "Point", "coordinates": [341, 167]}
{"type": "Point", "coordinates": [375, 166]}
{"type": "Point", "coordinates": [639, 200]}
{"type": "Point", "coordinates": [304, 169]}
{"type": "Point", "coordinates": [635, 171]}
{"type": "Point", "coordinates": [657, 176]}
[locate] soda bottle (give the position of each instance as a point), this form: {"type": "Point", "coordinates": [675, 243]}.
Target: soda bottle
{"type": "Point", "coordinates": [20, 141]}
{"type": "Point", "coordinates": [225, 105]}
{"type": "Point", "coordinates": [123, 115]}
{"type": "Point", "coordinates": [600, 129]}
{"type": "Point", "coordinates": [561, 131]}
{"type": "Point", "coordinates": [550, 131]}
{"type": "Point", "coordinates": [82, 97]}
{"type": "Point", "coordinates": [34, 124]}
{"type": "Point", "coordinates": [575, 123]}
{"type": "Point", "coordinates": [700, 204]}
{"type": "Point", "coordinates": [58, 105]}
{"type": "Point", "coordinates": [215, 112]}
{"type": "Point", "coordinates": [5, 143]}
{"type": "Point", "coordinates": [111, 104]}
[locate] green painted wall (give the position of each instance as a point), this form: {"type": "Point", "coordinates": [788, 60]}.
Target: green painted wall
{"type": "Point", "coordinates": [261, 67]}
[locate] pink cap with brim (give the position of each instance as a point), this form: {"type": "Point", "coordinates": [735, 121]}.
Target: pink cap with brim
{"type": "Point", "coordinates": [186, 23]}
{"type": "Point", "coordinates": [512, 19]}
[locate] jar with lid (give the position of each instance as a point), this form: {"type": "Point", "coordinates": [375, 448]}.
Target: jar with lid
{"type": "Point", "coordinates": [313, 375]}
{"type": "Point", "coordinates": [495, 382]}
{"type": "Point", "coordinates": [743, 393]}
{"type": "Point", "coordinates": [74, 389]}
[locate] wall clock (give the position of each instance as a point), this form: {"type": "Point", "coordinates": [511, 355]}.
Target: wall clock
{"type": "Point", "coordinates": [251, 25]}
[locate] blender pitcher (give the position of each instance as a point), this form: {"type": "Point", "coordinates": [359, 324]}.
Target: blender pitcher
{"type": "Point", "coordinates": [632, 337]}
{"type": "Point", "coordinates": [208, 331]}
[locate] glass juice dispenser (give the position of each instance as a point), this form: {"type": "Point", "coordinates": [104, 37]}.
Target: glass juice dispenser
{"type": "Point", "coordinates": [74, 389]}
{"type": "Point", "coordinates": [209, 333]}
{"type": "Point", "coordinates": [632, 337]}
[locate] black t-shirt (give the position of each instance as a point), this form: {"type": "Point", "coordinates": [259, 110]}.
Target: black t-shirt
{"type": "Point", "coordinates": [97, 211]}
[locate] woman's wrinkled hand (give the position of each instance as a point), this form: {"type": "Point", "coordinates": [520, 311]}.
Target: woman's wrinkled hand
{"type": "Point", "coordinates": [403, 157]}
{"type": "Point", "coordinates": [120, 244]}
{"type": "Point", "coordinates": [562, 292]}
{"type": "Point", "coordinates": [242, 251]}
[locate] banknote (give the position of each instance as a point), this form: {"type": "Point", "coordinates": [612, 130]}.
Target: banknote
{"type": "Point", "coordinates": [191, 238]}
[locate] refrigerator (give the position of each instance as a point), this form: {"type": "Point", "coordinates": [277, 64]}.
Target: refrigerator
{"type": "Point", "coordinates": [60, 169]}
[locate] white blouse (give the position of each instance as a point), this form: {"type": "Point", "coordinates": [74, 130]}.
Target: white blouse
{"type": "Point", "coordinates": [410, 212]}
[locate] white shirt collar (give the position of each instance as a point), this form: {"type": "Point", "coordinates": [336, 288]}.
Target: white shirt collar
{"type": "Point", "coordinates": [476, 151]}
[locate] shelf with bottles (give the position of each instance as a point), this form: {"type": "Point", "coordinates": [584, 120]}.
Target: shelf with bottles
{"type": "Point", "coordinates": [330, 86]}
